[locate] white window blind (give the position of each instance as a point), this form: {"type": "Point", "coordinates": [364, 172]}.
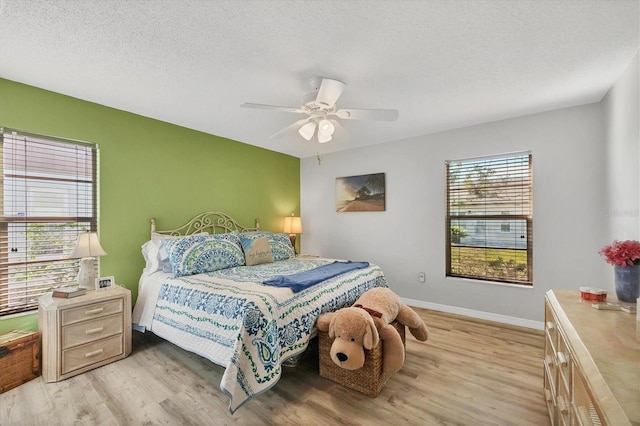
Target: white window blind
{"type": "Point", "coordinates": [489, 218]}
{"type": "Point", "coordinates": [48, 197]}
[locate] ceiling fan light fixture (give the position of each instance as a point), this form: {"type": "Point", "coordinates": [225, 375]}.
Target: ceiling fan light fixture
{"type": "Point", "coordinates": [320, 110]}
{"type": "Point", "coordinates": [326, 127]}
{"type": "Point", "coordinates": [323, 138]}
{"type": "Point", "coordinates": [307, 130]}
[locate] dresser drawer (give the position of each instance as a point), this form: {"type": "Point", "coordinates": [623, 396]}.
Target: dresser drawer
{"type": "Point", "coordinates": [88, 331]}
{"type": "Point", "coordinates": [91, 353]}
{"type": "Point", "coordinates": [93, 310]}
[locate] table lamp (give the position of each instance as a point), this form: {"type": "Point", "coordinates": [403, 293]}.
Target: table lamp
{"type": "Point", "coordinates": [292, 226]}
{"type": "Point", "coordinates": [87, 249]}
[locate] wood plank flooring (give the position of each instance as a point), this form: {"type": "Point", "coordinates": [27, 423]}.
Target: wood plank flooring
{"type": "Point", "coordinates": [469, 372]}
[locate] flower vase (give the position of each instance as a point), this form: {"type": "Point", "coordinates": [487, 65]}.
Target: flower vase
{"type": "Point", "coordinates": [627, 283]}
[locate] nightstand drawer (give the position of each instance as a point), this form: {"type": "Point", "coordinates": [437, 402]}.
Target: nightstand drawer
{"type": "Point", "coordinates": [91, 353]}
{"type": "Point", "coordinates": [88, 331]}
{"type": "Point", "coordinates": [94, 310]}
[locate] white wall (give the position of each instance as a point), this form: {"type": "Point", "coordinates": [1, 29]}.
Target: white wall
{"type": "Point", "coordinates": [570, 224]}
{"type": "Point", "coordinates": [623, 155]}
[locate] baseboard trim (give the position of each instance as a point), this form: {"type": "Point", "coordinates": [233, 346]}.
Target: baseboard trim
{"type": "Point", "coordinates": [505, 319]}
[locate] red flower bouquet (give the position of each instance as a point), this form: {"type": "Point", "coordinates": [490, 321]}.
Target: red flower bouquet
{"type": "Point", "coordinates": [622, 253]}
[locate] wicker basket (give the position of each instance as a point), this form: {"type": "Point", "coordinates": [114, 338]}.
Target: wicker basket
{"type": "Point", "coordinates": [19, 358]}
{"type": "Point", "coordinates": [368, 379]}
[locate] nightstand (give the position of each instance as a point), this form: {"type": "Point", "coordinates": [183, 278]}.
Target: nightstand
{"type": "Point", "coordinates": [85, 332]}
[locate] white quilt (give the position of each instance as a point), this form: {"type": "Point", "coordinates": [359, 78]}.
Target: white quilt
{"type": "Point", "coordinates": [231, 319]}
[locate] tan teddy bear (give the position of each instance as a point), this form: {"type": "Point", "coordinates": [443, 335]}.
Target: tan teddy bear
{"type": "Point", "coordinates": [361, 326]}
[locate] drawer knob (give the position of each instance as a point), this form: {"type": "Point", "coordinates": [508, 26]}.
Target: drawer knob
{"type": "Point", "coordinates": [562, 405]}
{"type": "Point", "coordinates": [94, 311]}
{"type": "Point", "coordinates": [93, 353]}
{"type": "Point", "coordinates": [94, 330]}
{"type": "Point", "coordinates": [550, 360]}
{"type": "Point", "coordinates": [562, 359]}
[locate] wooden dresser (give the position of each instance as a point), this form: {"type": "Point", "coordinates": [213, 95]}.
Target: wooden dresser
{"type": "Point", "coordinates": [592, 362]}
{"type": "Point", "coordinates": [84, 332]}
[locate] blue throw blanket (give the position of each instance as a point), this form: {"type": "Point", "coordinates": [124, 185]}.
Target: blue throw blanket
{"type": "Point", "coordinates": [302, 280]}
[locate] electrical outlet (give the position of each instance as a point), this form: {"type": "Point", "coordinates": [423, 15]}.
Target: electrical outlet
{"type": "Point", "coordinates": [422, 277]}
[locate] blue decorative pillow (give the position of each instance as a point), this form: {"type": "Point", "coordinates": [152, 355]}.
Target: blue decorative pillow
{"type": "Point", "coordinates": [281, 247]}
{"type": "Point", "coordinates": [198, 254]}
{"type": "Point", "coordinates": [280, 244]}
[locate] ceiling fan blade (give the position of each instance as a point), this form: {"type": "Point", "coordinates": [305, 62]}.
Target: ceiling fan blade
{"type": "Point", "coordinates": [274, 107]}
{"type": "Point", "coordinates": [289, 128]}
{"type": "Point", "coordinates": [329, 92]}
{"type": "Point", "coordinates": [367, 114]}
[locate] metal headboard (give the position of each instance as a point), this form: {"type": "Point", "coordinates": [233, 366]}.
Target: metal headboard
{"type": "Point", "coordinates": [211, 222]}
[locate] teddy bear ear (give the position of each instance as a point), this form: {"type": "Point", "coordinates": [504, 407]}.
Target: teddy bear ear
{"type": "Point", "coordinates": [332, 332]}
{"type": "Point", "coordinates": [371, 337]}
{"type": "Point", "coordinates": [323, 321]}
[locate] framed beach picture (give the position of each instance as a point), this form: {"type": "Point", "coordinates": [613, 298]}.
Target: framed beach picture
{"type": "Point", "coordinates": [364, 193]}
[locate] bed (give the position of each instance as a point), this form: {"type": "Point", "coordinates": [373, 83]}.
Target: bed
{"type": "Point", "coordinates": [220, 308]}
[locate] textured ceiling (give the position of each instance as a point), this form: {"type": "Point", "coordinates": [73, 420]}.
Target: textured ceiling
{"type": "Point", "coordinates": [442, 64]}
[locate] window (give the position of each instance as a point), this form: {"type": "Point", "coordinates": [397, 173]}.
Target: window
{"type": "Point", "coordinates": [48, 198]}
{"type": "Point", "coordinates": [489, 218]}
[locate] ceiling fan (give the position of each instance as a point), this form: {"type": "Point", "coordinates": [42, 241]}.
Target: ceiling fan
{"type": "Point", "coordinates": [320, 106]}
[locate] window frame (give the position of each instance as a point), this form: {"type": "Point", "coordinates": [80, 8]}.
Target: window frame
{"type": "Point", "coordinates": [498, 217]}
{"type": "Point", "coordinates": [58, 231]}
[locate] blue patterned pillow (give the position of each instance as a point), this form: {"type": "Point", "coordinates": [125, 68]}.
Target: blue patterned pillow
{"type": "Point", "coordinates": [198, 254]}
{"type": "Point", "coordinates": [281, 247]}
{"type": "Point", "coordinates": [280, 244]}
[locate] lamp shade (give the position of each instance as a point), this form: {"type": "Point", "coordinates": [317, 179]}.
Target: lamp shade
{"type": "Point", "coordinates": [326, 127]}
{"type": "Point", "coordinates": [87, 245]}
{"type": "Point", "coordinates": [323, 138]}
{"type": "Point", "coordinates": [307, 130]}
{"type": "Point", "coordinates": [292, 225]}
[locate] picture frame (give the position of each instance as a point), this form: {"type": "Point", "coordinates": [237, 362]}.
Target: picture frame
{"type": "Point", "coordinates": [362, 193]}
{"type": "Point", "coordinates": [105, 283]}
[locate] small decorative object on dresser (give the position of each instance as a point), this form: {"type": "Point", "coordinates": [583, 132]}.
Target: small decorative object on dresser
{"type": "Point", "coordinates": [68, 292]}
{"type": "Point", "coordinates": [84, 332]}
{"type": "Point", "coordinates": [625, 257]}
{"type": "Point", "coordinates": [104, 283]}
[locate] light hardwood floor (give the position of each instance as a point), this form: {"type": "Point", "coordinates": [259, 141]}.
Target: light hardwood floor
{"type": "Point", "coordinates": [469, 372]}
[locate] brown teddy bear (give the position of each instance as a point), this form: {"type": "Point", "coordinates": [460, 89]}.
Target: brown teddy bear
{"type": "Point", "coordinates": [363, 324]}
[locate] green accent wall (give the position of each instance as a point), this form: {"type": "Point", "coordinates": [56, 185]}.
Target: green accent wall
{"type": "Point", "coordinates": [150, 168]}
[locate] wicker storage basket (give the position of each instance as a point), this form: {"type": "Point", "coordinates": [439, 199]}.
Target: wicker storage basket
{"type": "Point", "coordinates": [368, 379]}
{"type": "Point", "coordinates": [19, 358]}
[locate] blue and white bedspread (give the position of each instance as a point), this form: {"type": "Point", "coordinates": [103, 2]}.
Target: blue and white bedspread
{"type": "Point", "coordinates": [229, 318]}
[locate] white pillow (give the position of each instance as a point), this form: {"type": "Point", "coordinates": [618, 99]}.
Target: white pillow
{"type": "Point", "coordinates": [152, 253]}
